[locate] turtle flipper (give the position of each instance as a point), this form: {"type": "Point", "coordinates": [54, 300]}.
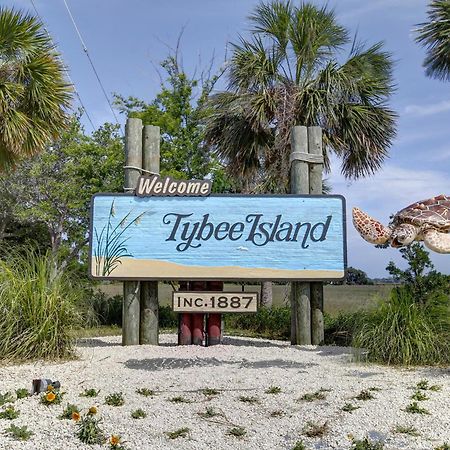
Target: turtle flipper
{"type": "Point", "coordinates": [370, 229]}
{"type": "Point", "coordinates": [436, 241]}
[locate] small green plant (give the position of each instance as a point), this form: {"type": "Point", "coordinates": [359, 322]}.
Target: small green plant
{"type": "Point", "coordinates": [366, 444]}
{"type": "Point", "coordinates": [273, 390]}
{"type": "Point", "coordinates": [7, 397]}
{"type": "Point", "coordinates": [69, 410]}
{"type": "Point", "coordinates": [277, 413]}
{"type": "Point", "coordinates": [115, 399]}
{"type": "Point", "coordinates": [179, 399]}
{"type": "Point", "coordinates": [145, 392]}
{"type": "Point", "coordinates": [9, 413]}
{"type": "Point", "coordinates": [19, 433]}
{"type": "Point", "coordinates": [249, 399]}
{"type": "Point", "coordinates": [310, 397]}
{"type": "Point", "coordinates": [52, 396]}
{"type": "Point", "coordinates": [116, 443]}
{"type": "Point", "coordinates": [419, 396]}
{"type": "Point", "coordinates": [365, 395]}
{"type": "Point", "coordinates": [348, 407]}
{"type": "Point", "coordinates": [410, 430]}
{"type": "Point", "coordinates": [138, 414]}
{"type": "Point", "coordinates": [22, 393]}
{"type": "Point", "coordinates": [238, 432]}
{"type": "Point", "coordinates": [209, 392]}
{"type": "Point", "coordinates": [90, 393]}
{"type": "Point", "coordinates": [444, 446]}
{"type": "Point", "coordinates": [312, 429]}
{"type": "Point", "coordinates": [181, 432]}
{"type": "Point", "coordinates": [299, 445]}
{"type": "Point", "coordinates": [89, 431]}
{"type": "Point", "coordinates": [414, 408]}
{"type": "Point", "coordinates": [424, 385]}
{"type": "Point", "coordinates": [209, 412]}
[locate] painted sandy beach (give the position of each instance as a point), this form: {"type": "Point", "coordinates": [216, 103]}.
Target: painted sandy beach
{"type": "Point", "coordinates": [156, 269]}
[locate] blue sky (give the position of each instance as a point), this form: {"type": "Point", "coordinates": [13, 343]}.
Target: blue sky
{"type": "Point", "coordinates": [127, 39]}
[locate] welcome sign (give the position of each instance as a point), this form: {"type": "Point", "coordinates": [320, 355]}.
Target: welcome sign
{"type": "Point", "coordinates": [221, 237]}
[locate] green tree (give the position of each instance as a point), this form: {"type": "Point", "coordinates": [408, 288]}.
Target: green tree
{"type": "Point", "coordinates": [434, 35]}
{"type": "Point", "coordinates": [54, 189]}
{"type": "Point", "coordinates": [34, 94]}
{"type": "Point", "coordinates": [179, 110]}
{"type": "Point", "coordinates": [356, 276]}
{"type": "Point", "coordinates": [420, 276]}
{"type": "Point", "coordinates": [289, 73]}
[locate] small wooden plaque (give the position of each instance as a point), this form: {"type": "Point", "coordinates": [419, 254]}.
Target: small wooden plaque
{"type": "Point", "coordinates": [214, 302]}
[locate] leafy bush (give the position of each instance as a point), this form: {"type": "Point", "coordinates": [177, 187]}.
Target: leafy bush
{"type": "Point", "coordinates": [167, 318]}
{"type": "Point", "coordinates": [38, 308]}
{"type": "Point", "coordinates": [404, 331]}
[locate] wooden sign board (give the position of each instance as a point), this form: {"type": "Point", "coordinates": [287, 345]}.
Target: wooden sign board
{"type": "Point", "coordinates": [214, 302]}
{"type": "Point", "coordinates": [220, 237]}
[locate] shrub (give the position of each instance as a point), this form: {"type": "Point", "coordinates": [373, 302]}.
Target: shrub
{"type": "Point", "coordinates": [167, 318]}
{"type": "Point", "coordinates": [38, 308]}
{"type": "Point", "coordinates": [403, 331]}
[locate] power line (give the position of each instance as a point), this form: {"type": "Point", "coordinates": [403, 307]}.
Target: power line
{"type": "Point", "coordinates": [64, 67]}
{"type": "Point", "coordinates": [92, 64]}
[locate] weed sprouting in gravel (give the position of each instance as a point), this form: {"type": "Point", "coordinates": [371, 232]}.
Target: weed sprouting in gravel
{"type": "Point", "coordinates": [299, 445]}
{"type": "Point", "coordinates": [247, 399]}
{"type": "Point", "coordinates": [424, 385]}
{"type": "Point", "coordinates": [210, 392]}
{"type": "Point", "coordinates": [312, 429]}
{"type": "Point", "coordinates": [179, 399]}
{"type": "Point", "coordinates": [209, 412]}
{"type": "Point", "coordinates": [138, 414]}
{"type": "Point", "coordinates": [348, 407]}
{"type": "Point", "coordinates": [408, 429]}
{"type": "Point", "coordinates": [310, 397]}
{"type": "Point", "coordinates": [145, 392]}
{"type": "Point", "coordinates": [7, 397]}
{"type": "Point", "coordinates": [365, 395]}
{"type": "Point", "coordinates": [414, 408]}
{"type": "Point", "coordinates": [90, 393]}
{"type": "Point", "coordinates": [181, 432]}
{"type": "Point", "coordinates": [89, 431]}
{"type": "Point", "coordinates": [115, 399]}
{"type": "Point", "coordinates": [444, 446]}
{"type": "Point", "coordinates": [9, 413]}
{"type": "Point", "coordinates": [238, 432]}
{"type": "Point", "coordinates": [366, 444]}
{"type": "Point", "coordinates": [277, 413]}
{"type": "Point", "coordinates": [69, 410]}
{"type": "Point", "coordinates": [22, 393]}
{"type": "Point", "coordinates": [19, 433]}
{"type": "Point", "coordinates": [273, 390]}
{"type": "Point", "coordinates": [419, 396]}
{"type": "Point", "coordinates": [374, 389]}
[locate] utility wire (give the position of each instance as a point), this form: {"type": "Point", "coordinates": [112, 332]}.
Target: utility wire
{"type": "Point", "coordinates": [92, 64]}
{"type": "Point", "coordinates": [64, 67]}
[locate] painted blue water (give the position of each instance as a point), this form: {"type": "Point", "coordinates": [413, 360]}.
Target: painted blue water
{"type": "Point", "coordinates": [147, 239]}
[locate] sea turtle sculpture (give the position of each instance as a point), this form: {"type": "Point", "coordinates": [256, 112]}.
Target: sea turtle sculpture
{"type": "Point", "coordinates": [427, 221]}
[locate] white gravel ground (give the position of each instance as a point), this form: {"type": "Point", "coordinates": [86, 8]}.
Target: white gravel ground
{"type": "Point", "coordinates": [240, 367]}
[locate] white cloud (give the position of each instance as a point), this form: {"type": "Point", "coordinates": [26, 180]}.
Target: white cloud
{"type": "Point", "coordinates": [427, 110]}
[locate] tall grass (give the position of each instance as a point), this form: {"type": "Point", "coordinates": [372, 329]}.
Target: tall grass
{"type": "Point", "coordinates": [406, 332]}
{"type": "Point", "coordinates": [37, 308]}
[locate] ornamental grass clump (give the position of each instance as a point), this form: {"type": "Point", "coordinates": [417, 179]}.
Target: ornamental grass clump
{"type": "Point", "coordinates": [37, 308]}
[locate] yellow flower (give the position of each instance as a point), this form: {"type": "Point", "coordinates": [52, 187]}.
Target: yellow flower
{"type": "Point", "coordinates": [76, 416]}
{"type": "Point", "coordinates": [114, 439]}
{"type": "Point", "coordinates": [92, 410]}
{"type": "Point", "coordinates": [50, 387]}
{"type": "Point", "coordinates": [50, 396]}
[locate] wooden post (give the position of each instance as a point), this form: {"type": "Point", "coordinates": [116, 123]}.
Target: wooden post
{"type": "Point", "coordinates": [301, 291]}
{"type": "Point", "coordinates": [149, 314]}
{"type": "Point", "coordinates": [315, 188]}
{"type": "Point", "coordinates": [131, 289]}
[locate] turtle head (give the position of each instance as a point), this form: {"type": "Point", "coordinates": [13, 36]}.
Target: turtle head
{"type": "Point", "coordinates": [370, 229]}
{"type": "Point", "coordinates": [403, 234]}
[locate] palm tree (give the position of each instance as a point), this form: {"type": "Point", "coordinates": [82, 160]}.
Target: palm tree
{"type": "Point", "coordinates": [435, 36]}
{"type": "Point", "coordinates": [289, 72]}
{"type": "Point", "coordinates": [34, 95]}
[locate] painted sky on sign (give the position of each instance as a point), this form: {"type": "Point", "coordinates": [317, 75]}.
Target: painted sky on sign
{"type": "Point", "coordinates": [128, 39]}
{"type": "Point", "coordinates": [148, 238]}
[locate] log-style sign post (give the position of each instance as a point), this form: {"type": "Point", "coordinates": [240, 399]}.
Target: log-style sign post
{"type": "Point", "coordinates": [306, 178]}
{"type": "Point", "coordinates": [149, 330]}
{"type": "Point", "coordinates": [131, 289]}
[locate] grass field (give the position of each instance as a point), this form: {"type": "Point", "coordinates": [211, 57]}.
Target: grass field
{"type": "Point", "coordinates": [345, 298]}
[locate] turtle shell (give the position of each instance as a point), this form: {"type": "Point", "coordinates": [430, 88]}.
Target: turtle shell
{"type": "Point", "coordinates": [434, 211]}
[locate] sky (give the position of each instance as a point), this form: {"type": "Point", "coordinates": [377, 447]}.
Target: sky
{"type": "Point", "coordinates": [126, 40]}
